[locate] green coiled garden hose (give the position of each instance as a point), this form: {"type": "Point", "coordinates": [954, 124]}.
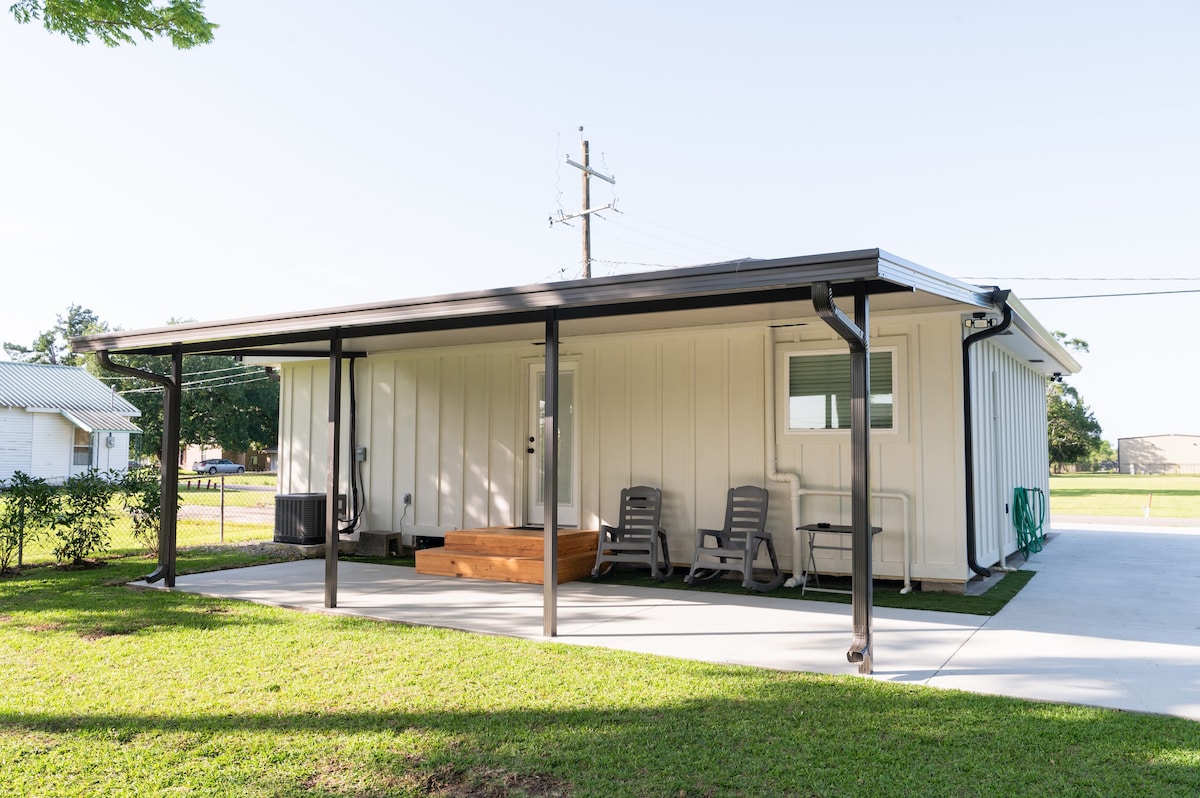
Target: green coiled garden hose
{"type": "Point", "coordinates": [1029, 514]}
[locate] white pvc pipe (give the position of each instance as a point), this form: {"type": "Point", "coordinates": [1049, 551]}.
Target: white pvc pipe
{"type": "Point", "coordinates": [773, 472]}
{"type": "Point", "coordinates": [793, 479]}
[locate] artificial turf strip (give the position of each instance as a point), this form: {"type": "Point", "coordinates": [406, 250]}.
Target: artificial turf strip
{"type": "Point", "coordinates": [115, 692]}
{"type": "Point", "coordinates": [884, 594]}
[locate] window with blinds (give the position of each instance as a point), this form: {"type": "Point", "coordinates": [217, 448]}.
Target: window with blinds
{"type": "Point", "coordinates": [819, 391]}
{"type": "Point", "coordinates": [82, 454]}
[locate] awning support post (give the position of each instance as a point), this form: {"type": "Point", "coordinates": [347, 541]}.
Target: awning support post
{"type": "Point", "coordinates": [334, 442]}
{"type": "Point", "coordinates": [550, 483]}
{"type": "Point", "coordinates": [857, 334]}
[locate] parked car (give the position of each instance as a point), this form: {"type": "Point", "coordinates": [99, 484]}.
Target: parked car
{"type": "Point", "coordinates": [217, 466]}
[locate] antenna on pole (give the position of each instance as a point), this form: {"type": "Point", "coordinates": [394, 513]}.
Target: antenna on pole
{"type": "Point", "coordinates": [586, 214]}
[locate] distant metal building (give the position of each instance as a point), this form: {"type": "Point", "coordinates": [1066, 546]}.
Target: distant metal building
{"type": "Point", "coordinates": [1159, 454]}
{"type": "Point", "coordinates": [57, 421]}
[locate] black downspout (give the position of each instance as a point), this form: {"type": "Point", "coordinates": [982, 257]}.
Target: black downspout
{"type": "Point", "coordinates": [856, 333]}
{"type": "Point", "coordinates": [168, 458]}
{"type": "Point", "coordinates": [1000, 299]}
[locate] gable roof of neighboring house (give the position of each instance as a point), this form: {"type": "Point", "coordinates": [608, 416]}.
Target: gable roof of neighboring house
{"type": "Point", "coordinates": [81, 398]}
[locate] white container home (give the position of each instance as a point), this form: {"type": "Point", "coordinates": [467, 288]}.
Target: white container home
{"type": "Point", "coordinates": [693, 380]}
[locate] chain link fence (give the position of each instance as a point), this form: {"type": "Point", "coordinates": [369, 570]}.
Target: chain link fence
{"type": "Point", "coordinates": [220, 509]}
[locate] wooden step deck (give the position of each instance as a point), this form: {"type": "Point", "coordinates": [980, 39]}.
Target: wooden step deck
{"type": "Point", "coordinates": [510, 554]}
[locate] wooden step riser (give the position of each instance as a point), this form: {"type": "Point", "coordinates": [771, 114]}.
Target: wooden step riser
{"type": "Point", "coordinates": [500, 568]}
{"type": "Point", "coordinates": [519, 543]}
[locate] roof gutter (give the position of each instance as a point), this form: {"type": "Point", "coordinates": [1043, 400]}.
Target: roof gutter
{"type": "Point", "coordinates": [1000, 300]}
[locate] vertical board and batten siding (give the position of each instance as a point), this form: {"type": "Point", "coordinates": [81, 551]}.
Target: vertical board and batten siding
{"type": "Point", "coordinates": [1011, 444]}
{"type": "Point", "coordinates": [920, 458]}
{"type": "Point", "coordinates": [303, 427]}
{"type": "Point", "coordinates": [438, 426]}
{"type": "Point", "coordinates": [683, 411]}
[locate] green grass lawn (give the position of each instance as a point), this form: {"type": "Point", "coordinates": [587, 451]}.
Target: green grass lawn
{"type": "Point", "coordinates": [116, 692]}
{"type": "Point", "coordinates": [1128, 495]}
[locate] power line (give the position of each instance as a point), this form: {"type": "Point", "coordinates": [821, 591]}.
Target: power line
{"type": "Point", "coordinates": [198, 385]}
{"type": "Point", "coordinates": [636, 263]}
{"type": "Point", "coordinates": [612, 237]}
{"type": "Point", "coordinates": [1086, 279]}
{"type": "Point", "coordinates": [740, 252]}
{"type": "Point", "coordinates": [669, 241]}
{"type": "Point", "coordinates": [1107, 296]}
{"type": "Point", "coordinates": [243, 369]}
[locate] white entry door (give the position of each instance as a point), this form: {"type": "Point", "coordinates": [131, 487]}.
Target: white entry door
{"type": "Point", "coordinates": [568, 449]}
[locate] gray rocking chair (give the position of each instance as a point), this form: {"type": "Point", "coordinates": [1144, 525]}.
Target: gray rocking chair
{"type": "Point", "coordinates": [735, 547]}
{"type": "Point", "coordinates": [637, 538]}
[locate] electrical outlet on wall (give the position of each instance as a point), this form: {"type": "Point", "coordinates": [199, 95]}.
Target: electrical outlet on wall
{"type": "Point", "coordinates": [408, 498]}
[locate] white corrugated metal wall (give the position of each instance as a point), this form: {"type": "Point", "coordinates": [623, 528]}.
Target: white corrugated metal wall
{"type": "Point", "coordinates": [1011, 443]}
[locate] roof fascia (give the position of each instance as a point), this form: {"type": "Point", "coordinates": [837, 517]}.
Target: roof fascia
{"type": "Point", "coordinates": [728, 284]}
{"type": "Point", "coordinates": [1042, 338]}
{"type": "Point", "coordinates": [903, 272]}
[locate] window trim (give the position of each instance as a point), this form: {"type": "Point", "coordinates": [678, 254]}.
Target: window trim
{"type": "Point", "coordinates": [80, 448]}
{"type": "Point", "coordinates": [897, 346]}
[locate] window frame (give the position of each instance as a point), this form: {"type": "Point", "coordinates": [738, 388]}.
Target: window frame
{"type": "Point", "coordinates": [895, 346]}
{"type": "Point", "coordinates": [79, 448]}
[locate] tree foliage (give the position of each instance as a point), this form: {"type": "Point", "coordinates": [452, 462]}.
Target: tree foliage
{"type": "Point", "coordinates": [224, 403]}
{"type": "Point", "coordinates": [1073, 431]}
{"type": "Point", "coordinates": [54, 345]}
{"type": "Point", "coordinates": [117, 22]}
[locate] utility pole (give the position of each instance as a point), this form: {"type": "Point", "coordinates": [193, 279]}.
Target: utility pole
{"type": "Point", "coordinates": [586, 212]}
{"type": "Point", "coordinates": [587, 217]}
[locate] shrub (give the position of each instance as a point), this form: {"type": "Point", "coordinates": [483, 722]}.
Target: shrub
{"type": "Point", "coordinates": [84, 517]}
{"type": "Point", "coordinates": [28, 510]}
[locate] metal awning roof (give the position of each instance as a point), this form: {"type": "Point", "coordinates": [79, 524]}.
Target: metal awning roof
{"type": "Point", "coordinates": [100, 421]}
{"type": "Point", "coordinates": [746, 291]}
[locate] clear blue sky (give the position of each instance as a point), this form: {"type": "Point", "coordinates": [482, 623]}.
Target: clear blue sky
{"type": "Point", "coordinates": [322, 154]}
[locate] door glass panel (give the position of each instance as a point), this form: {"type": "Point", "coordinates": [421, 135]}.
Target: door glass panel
{"type": "Point", "coordinates": [566, 439]}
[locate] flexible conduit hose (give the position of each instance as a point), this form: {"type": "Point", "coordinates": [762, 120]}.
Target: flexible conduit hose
{"type": "Point", "coordinates": [1029, 514]}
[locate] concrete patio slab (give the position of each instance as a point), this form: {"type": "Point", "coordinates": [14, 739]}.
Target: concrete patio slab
{"type": "Point", "coordinates": [1112, 620]}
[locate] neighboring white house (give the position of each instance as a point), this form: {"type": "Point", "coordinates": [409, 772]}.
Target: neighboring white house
{"type": "Point", "coordinates": [693, 380]}
{"type": "Point", "coordinates": [58, 421]}
{"type": "Point", "coordinates": [1159, 454]}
